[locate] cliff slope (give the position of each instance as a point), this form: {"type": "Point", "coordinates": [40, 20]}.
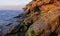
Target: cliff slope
{"type": "Point", "coordinates": [43, 18]}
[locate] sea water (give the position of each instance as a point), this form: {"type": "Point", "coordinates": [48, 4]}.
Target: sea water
{"type": "Point", "coordinates": [8, 14]}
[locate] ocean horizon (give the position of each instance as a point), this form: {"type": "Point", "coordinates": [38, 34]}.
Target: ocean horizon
{"type": "Point", "coordinates": [8, 14]}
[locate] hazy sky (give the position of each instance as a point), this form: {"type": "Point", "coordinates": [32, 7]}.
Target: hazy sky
{"type": "Point", "coordinates": [12, 3]}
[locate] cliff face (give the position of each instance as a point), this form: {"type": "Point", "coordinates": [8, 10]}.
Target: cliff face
{"type": "Point", "coordinates": [40, 18]}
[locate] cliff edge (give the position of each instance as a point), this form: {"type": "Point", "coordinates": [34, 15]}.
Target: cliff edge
{"type": "Point", "coordinates": [43, 18]}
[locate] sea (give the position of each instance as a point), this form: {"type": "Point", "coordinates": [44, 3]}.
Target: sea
{"type": "Point", "coordinates": [7, 22]}
{"type": "Point", "coordinates": [8, 14]}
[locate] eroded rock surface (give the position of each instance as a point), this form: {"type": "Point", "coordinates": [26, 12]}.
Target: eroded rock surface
{"type": "Point", "coordinates": [43, 17]}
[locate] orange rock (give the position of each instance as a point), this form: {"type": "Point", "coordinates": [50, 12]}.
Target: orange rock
{"type": "Point", "coordinates": [42, 15]}
{"type": "Point", "coordinates": [46, 8]}
{"type": "Point", "coordinates": [58, 31]}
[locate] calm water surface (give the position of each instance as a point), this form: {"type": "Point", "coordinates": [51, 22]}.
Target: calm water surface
{"type": "Point", "coordinates": [8, 14]}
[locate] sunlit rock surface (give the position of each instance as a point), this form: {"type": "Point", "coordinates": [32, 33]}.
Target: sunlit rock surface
{"type": "Point", "coordinates": [40, 18]}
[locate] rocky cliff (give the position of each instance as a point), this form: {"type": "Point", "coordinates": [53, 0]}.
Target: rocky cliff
{"type": "Point", "coordinates": [40, 18]}
{"type": "Point", "coordinates": [43, 18]}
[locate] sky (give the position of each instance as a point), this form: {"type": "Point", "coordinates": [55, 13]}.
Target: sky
{"type": "Point", "coordinates": [13, 4]}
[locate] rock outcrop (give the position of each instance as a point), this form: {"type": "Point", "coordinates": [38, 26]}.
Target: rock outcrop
{"type": "Point", "coordinates": [40, 18]}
